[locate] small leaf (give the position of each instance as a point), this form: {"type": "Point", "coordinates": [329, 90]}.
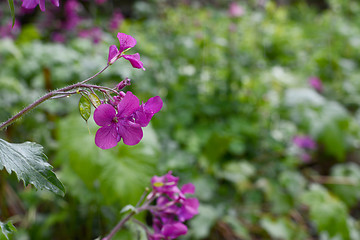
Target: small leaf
{"type": "Point", "coordinates": [85, 108]}
{"type": "Point", "coordinates": [94, 99]}
{"type": "Point", "coordinates": [29, 163]}
{"type": "Point", "coordinates": [7, 228]}
{"type": "Point", "coordinates": [12, 11]}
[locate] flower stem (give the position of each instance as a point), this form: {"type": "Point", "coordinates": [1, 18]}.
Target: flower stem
{"type": "Point", "coordinates": [119, 226]}
{"type": "Point", "coordinates": [47, 97]}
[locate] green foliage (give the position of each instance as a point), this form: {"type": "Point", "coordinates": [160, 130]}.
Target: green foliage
{"type": "Point", "coordinates": [6, 229]}
{"type": "Point", "coordinates": [236, 93]}
{"type": "Point", "coordinates": [327, 212]}
{"type": "Point", "coordinates": [29, 163]}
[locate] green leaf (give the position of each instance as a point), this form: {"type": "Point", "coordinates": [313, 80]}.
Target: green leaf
{"type": "Point", "coordinates": [12, 11]}
{"type": "Point", "coordinates": [29, 163]}
{"type": "Point", "coordinates": [85, 108]}
{"type": "Point", "coordinates": [7, 228]}
{"type": "Point", "coordinates": [327, 212]}
{"type": "Point", "coordinates": [94, 99]}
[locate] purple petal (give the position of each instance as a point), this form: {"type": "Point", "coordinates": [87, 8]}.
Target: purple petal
{"type": "Point", "coordinates": [106, 137]}
{"type": "Point", "coordinates": [154, 104]}
{"type": "Point", "coordinates": [42, 5]}
{"type": "Point", "coordinates": [104, 115]}
{"type": "Point", "coordinates": [188, 188]}
{"type": "Point", "coordinates": [173, 231]}
{"type": "Point", "coordinates": [29, 4]}
{"type": "Point", "coordinates": [189, 209]}
{"type": "Point", "coordinates": [126, 41]}
{"type": "Point", "coordinates": [130, 132]}
{"type": "Point", "coordinates": [55, 2]}
{"type": "Point", "coordinates": [113, 54]}
{"type": "Point", "coordinates": [134, 59]}
{"type": "Point", "coordinates": [141, 117]}
{"type": "Point", "coordinates": [128, 105]}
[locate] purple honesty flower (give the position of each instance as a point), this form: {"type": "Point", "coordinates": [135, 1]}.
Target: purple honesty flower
{"type": "Point", "coordinates": [305, 142]}
{"type": "Point", "coordinates": [126, 42]}
{"type": "Point", "coordinates": [29, 4]}
{"type": "Point", "coordinates": [118, 122]}
{"type": "Point", "coordinates": [172, 207]}
{"type": "Point", "coordinates": [316, 83]}
{"type": "Point", "coordinates": [235, 10]}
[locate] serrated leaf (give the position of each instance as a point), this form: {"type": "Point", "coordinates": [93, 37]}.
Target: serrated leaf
{"type": "Point", "coordinates": [7, 228]}
{"type": "Point", "coordinates": [29, 163]}
{"type": "Point", "coordinates": [85, 107]}
{"type": "Point", "coordinates": [12, 11]}
{"type": "Point", "coordinates": [94, 100]}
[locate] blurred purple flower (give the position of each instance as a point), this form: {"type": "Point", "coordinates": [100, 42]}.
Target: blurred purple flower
{"type": "Point", "coordinates": [235, 10]}
{"type": "Point", "coordinates": [116, 20]}
{"type": "Point", "coordinates": [94, 34]}
{"type": "Point", "coordinates": [118, 122]}
{"type": "Point", "coordinates": [172, 207]}
{"type": "Point", "coordinates": [58, 37]}
{"type": "Point", "coordinates": [72, 17]}
{"type": "Point", "coordinates": [304, 142]}
{"type": "Point", "coordinates": [9, 31]}
{"type": "Point", "coordinates": [316, 83]}
{"type": "Point", "coordinates": [29, 4]}
{"type": "Point", "coordinates": [126, 42]}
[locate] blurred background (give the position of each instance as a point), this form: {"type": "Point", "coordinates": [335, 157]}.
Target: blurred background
{"type": "Point", "coordinates": [261, 113]}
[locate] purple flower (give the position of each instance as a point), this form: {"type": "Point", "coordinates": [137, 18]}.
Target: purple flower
{"type": "Point", "coordinates": [93, 33]}
{"type": "Point", "coordinates": [116, 20]}
{"type": "Point", "coordinates": [126, 42]}
{"type": "Point", "coordinates": [118, 122]}
{"type": "Point", "coordinates": [172, 207]}
{"type": "Point", "coordinates": [316, 83]}
{"type": "Point", "coordinates": [235, 10]}
{"type": "Point", "coordinates": [304, 142]}
{"type": "Point", "coordinates": [29, 4]}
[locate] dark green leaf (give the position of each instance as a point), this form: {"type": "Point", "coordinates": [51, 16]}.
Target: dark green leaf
{"type": "Point", "coordinates": [7, 228]}
{"type": "Point", "coordinates": [12, 11]}
{"type": "Point", "coordinates": [85, 108]}
{"type": "Point", "coordinates": [29, 163]}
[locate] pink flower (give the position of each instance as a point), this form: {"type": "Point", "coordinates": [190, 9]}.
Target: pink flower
{"type": "Point", "coordinates": [235, 10]}
{"type": "Point", "coordinates": [118, 122]}
{"type": "Point", "coordinates": [29, 4]}
{"type": "Point", "coordinates": [126, 42]}
{"type": "Point", "coordinates": [172, 207]}
{"type": "Point", "coordinates": [316, 83]}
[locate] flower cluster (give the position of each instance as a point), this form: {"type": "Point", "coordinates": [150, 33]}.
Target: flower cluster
{"type": "Point", "coordinates": [123, 119]}
{"type": "Point", "coordinates": [306, 145]}
{"type": "Point", "coordinates": [172, 208]}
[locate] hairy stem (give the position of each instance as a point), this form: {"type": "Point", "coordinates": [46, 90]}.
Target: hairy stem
{"type": "Point", "coordinates": [47, 97]}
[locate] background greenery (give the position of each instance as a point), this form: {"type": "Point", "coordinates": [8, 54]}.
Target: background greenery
{"type": "Point", "coordinates": [236, 92]}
